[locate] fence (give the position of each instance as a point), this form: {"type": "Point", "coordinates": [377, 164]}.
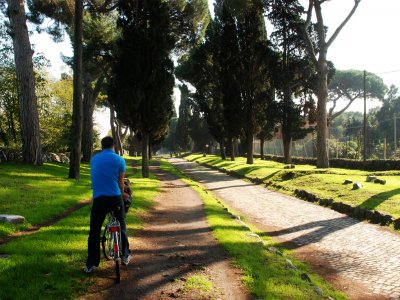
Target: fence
{"type": "Point", "coordinates": [338, 148]}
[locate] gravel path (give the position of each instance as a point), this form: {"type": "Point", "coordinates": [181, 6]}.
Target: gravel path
{"type": "Point", "coordinates": [359, 258]}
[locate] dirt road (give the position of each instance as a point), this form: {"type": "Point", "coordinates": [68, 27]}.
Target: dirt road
{"type": "Point", "coordinates": [175, 248]}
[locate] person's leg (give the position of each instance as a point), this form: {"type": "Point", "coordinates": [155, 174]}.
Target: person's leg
{"type": "Point", "coordinates": [120, 215]}
{"type": "Point", "coordinates": [97, 216]}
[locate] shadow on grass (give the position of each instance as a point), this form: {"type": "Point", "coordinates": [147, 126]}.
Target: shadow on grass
{"type": "Point", "coordinates": [378, 199]}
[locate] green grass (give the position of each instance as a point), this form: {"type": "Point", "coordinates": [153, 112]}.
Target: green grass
{"type": "Point", "coordinates": [39, 193]}
{"type": "Point", "coordinates": [199, 283]}
{"type": "Point", "coordinates": [47, 264]}
{"type": "Point", "coordinates": [266, 274]}
{"type": "Point", "coordinates": [326, 183]}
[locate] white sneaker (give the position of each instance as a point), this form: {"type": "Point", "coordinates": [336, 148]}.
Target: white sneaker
{"type": "Point", "coordinates": [126, 259]}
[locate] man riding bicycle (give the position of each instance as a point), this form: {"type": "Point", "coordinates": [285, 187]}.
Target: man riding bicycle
{"type": "Point", "coordinates": [107, 171]}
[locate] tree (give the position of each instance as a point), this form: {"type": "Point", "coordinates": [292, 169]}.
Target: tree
{"type": "Point", "coordinates": [30, 131]}
{"type": "Point", "coordinates": [318, 55]}
{"type": "Point", "coordinates": [202, 70]}
{"type": "Point", "coordinates": [348, 85]}
{"type": "Point", "coordinates": [9, 102]}
{"type": "Point", "coordinates": [182, 138]}
{"type": "Point", "coordinates": [228, 58]}
{"type": "Point", "coordinates": [142, 82]}
{"type": "Point", "coordinates": [254, 76]}
{"type": "Point", "coordinates": [55, 113]}
{"type": "Point", "coordinates": [293, 76]}
{"type": "Point", "coordinates": [76, 130]}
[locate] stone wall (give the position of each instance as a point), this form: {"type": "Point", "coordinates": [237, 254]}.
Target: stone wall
{"type": "Point", "coordinates": [16, 155]}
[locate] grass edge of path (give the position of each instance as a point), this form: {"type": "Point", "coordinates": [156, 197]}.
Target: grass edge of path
{"type": "Point", "coordinates": [268, 272]}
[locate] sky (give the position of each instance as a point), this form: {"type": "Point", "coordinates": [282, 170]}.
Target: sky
{"type": "Point", "coordinates": [370, 41]}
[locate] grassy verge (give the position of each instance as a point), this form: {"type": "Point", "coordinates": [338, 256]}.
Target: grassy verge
{"type": "Point", "coordinates": [266, 274]}
{"type": "Point", "coordinates": [47, 264]}
{"type": "Point", "coordinates": [325, 183]}
{"type": "Point", "coordinates": [39, 193]}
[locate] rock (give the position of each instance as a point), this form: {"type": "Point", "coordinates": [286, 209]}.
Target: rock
{"type": "Point", "coordinates": [13, 219]}
{"type": "Point", "coordinates": [357, 186]}
{"type": "Point", "coordinates": [290, 265]}
{"type": "Point", "coordinates": [273, 249]}
{"type": "Point", "coordinates": [318, 290]}
{"type": "Point", "coordinates": [348, 181]}
{"type": "Point", "coordinates": [370, 178]}
{"type": "Point", "coordinates": [305, 277]}
{"type": "Point", "coordinates": [255, 235]}
{"type": "Point", "coordinates": [381, 181]}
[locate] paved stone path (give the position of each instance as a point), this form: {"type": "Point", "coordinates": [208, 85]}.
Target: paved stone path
{"type": "Point", "coordinates": [358, 252]}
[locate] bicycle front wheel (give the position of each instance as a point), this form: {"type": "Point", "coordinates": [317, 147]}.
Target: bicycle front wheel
{"type": "Point", "coordinates": [107, 244]}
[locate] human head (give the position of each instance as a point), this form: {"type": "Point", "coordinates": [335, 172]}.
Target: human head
{"type": "Point", "coordinates": [107, 142]}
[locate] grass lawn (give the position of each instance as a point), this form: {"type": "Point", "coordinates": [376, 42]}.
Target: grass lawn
{"type": "Point", "coordinates": [48, 263]}
{"type": "Point", "coordinates": [39, 193]}
{"type": "Point", "coordinates": [326, 183]}
{"type": "Point", "coordinates": [266, 274]}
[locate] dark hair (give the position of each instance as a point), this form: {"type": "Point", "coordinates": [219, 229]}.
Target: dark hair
{"type": "Point", "coordinates": [107, 142]}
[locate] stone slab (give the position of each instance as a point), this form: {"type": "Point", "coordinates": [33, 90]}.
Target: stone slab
{"type": "Point", "coordinates": [13, 219]}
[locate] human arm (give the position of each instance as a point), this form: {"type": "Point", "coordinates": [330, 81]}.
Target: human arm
{"type": "Point", "coordinates": [121, 185]}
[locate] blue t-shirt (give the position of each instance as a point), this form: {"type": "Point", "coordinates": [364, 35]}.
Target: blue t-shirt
{"type": "Point", "coordinates": [105, 168]}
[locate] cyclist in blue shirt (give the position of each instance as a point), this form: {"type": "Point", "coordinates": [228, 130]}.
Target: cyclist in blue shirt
{"type": "Point", "coordinates": [107, 170]}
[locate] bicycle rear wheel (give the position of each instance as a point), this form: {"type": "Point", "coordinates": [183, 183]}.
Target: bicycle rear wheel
{"type": "Point", "coordinates": [117, 273]}
{"type": "Point", "coordinates": [116, 244]}
{"type": "Point", "coordinates": [107, 244]}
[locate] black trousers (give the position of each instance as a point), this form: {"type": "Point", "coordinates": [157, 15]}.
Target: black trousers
{"type": "Point", "coordinates": [101, 206]}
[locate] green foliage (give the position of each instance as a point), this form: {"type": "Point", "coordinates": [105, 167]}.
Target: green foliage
{"type": "Point", "coordinates": [55, 115]}
{"type": "Point", "coordinates": [348, 85]}
{"type": "Point", "coordinates": [142, 82]}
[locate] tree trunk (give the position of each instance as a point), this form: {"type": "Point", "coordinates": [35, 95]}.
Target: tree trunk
{"type": "Point", "coordinates": [30, 131]}
{"type": "Point", "coordinates": [287, 141]}
{"type": "Point", "coordinates": [322, 94]}
{"type": "Point", "coordinates": [222, 149]}
{"type": "Point", "coordinates": [89, 102]}
{"type": "Point", "coordinates": [232, 142]}
{"type": "Point", "coordinates": [145, 155]}
{"type": "Point", "coordinates": [150, 153]}
{"type": "Point", "coordinates": [262, 148]}
{"type": "Point", "coordinates": [131, 147]}
{"type": "Point", "coordinates": [76, 139]}
{"type": "Point", "coordinates": [87, 123]}
{"type": "Point", "coordinates": [249, 140]}
{"type": "Point", "coordinates": [114, 131]}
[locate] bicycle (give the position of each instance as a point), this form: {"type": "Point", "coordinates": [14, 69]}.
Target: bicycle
{"type": "Point", "coordinates": [111, 243]}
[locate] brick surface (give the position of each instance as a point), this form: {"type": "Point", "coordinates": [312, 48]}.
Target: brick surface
{"type": "Point", "coordinates": [361, 252]}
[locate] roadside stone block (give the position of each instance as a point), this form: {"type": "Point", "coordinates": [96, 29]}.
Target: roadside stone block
{"type": "Point", "coordinates": [396, 223]}
{"type": "Point", "coordinates": [370, 178]}
{"type": "Point", "coordinates": [13, 219]}
{"type": "Point", "coordinates": [357, 186]}
{"type": "Point", "coordinates": [348, 181]}
{"type": "Point", "coordinates": [325, 202]}
{"type": "Point", "coordinates": [359, 212]}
